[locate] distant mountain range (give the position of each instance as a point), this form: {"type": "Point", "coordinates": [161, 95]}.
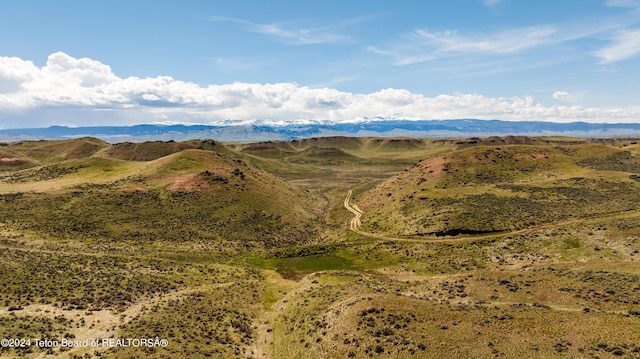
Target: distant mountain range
{"type": "Point", "coordinates": [378, 128]}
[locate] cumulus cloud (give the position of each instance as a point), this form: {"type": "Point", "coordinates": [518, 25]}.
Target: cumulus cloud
{"type": "Point", "coordinates": [75, 91]}
{"type": "Point", "coordinates": [561, 95]}
{"type": "Point", "coordinates": [570, 97]}
{"type": "Point", "coordinates": [13, 72]}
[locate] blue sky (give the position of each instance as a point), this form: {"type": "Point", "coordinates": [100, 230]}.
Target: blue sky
{"type": "Point", "coordinates": [126, 62]}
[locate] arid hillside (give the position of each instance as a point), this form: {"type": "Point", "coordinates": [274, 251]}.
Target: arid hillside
{"type": "Point", "coordinates": [499, 188]}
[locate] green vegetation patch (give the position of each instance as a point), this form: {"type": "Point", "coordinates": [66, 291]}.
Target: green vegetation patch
{"type": "Point", "coordinates": [297, 267]}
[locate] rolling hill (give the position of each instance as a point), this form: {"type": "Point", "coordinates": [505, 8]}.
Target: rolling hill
{"type": "Point", "coordinates": [189, 196]}
{"type": "Point", "coordinates": [25, 154]}
{"type": "Point", "coordinates": [498, 188]}
{"type": "Point", "coordinates": [151, 150]}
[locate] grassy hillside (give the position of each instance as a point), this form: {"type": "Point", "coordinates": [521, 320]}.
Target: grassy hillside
{"type": "Point", "coordinates": [11, 161]}
{"type": "Point", "coordinates": [486, 189]}
{"type": "Point", "coordinates": [52, 151]}
{"type": "Point", "coordinates": [170, 199]}
{"type": "Point", "coordinates": [268, 149]}
{"type": "Point", "coordinates": [26, 154]}
{"type": "Point", "coordinates": [147, 151]}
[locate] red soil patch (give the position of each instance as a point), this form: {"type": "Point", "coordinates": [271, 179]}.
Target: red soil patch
{"type": "Point", "coordinates": [433, 166]}
{"type": "Point", "coordinates": [187, 183]}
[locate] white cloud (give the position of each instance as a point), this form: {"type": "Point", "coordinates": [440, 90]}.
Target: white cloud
{"type": "Point", "coordinates": [502, 42]}
{"type": "Point", "coordinates": [568, 96]}
{"type": "Point", "coordinates": [544, 43]}
{"type": "Point", "coordinates": [302, 35]}
{"type": "Point", "coordinates": [89, 72]}
{"type": "Point", "coordinates": [13, 72]}
{"type": "Point", "coordinates": [422, 45]}
{"type": "Point", "coordinates": [150, 97]}
{"type": "Point", "coordinates": [626, 44]}
{"type": "Point", "coordinates": [69, 91]}
{"type": "Point", "coordinates": [562, 95]}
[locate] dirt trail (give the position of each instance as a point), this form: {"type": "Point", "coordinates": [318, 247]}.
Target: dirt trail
{"type": "Point", "coordinates": [263, 346]}
{"type": "Point", "coordinates": [355, 221]}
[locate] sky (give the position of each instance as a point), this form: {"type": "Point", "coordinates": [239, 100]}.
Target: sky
{"type": "Point", "coordinates": [94, 63]}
